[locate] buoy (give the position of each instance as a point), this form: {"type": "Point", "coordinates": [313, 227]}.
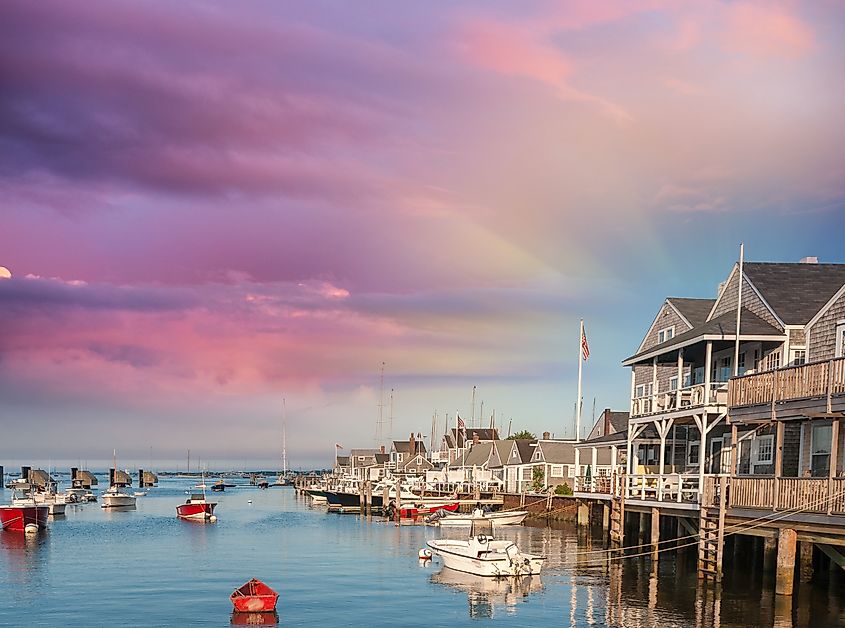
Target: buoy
{"type": "Point", "coordinates": [249, 501]}
{"type": "Point", "coordinates": [425, 554]}
{"type": "Point", "coordinates": [212, 518]}
{"type": "Point", "coordinates": [31, 528]}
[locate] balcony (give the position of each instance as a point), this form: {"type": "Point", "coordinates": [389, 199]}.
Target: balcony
{"type": "Point", "coordinates": [688, 397]}
{"type": "Point", "coordinates": [825, 496]}
{"type": "Point", "coordinates": [817, 380]}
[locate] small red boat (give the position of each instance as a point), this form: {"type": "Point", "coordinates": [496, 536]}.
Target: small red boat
{"type": "Point", "coordinates": [16, 518]}
{"type": "Point", "coordinates": [412, 511]}
{"type": "Point", "coordinates": [197, 508]}
{"type": "Point", "coordinates": [254, 597]}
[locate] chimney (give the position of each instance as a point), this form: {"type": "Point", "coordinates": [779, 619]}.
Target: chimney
{"type": "Point", "coordinates": [381, 449]}
{"type": "Point", "coordinates": [810, 259]}
{"type": "Point", "coordinates": [606, 422]}
{"type": "Point", "coordinates": [412, 445]}
{"type": "Point", "coordinates": [475, 438]}
{"type": "Point", "coordinates": [547, 435]}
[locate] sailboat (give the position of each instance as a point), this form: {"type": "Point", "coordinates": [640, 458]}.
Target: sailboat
{"type": "Point", "coordinates": [116, 496]}
{"type": "Point", "coordinates": [282, 480]}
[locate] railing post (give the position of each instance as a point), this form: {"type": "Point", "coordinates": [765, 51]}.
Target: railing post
{"type": "Point", "coordinates": [829, 386]}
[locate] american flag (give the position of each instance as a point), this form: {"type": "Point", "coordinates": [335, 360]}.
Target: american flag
{"type": "Point", "coordinates": [338, 446]}
{"type": "Point", "coordinates": [585, 348]}
{"type": "Point", "coordinates": [461, 424]}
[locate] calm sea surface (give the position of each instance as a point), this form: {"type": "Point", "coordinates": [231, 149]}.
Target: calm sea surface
{"type": "Point", "coordinates": [147, 568]}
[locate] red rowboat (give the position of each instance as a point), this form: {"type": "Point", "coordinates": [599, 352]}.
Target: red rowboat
{"type": "Point", "coordinates": [197, 508]}
{"type": "Point", "coordinates": [254, 597]}
{"type": "Point", "coordinates": [16, 518]}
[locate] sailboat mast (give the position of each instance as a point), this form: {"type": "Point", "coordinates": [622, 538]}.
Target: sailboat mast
{"type": "Point", "coordinates": [284, 438]}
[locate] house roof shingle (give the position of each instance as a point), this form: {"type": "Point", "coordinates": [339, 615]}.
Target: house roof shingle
{"type": "Point", "coordinates": [694, 310]}
{"type": "Point", "coordinates": [723, 325]}
{"type": "Point", "coordinates": [796, 292]}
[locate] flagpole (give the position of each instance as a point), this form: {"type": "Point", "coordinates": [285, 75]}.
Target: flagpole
{"type": "Point", "coordinates": [738, 309]}
{"type": "Point", "coordinates": [580, 368]}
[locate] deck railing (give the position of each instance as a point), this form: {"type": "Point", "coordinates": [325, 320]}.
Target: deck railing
{"type": "Point", "coordinates": [696, 395]}
{"type": "Point", "coordinates": [680, 488]}
{"type": "Point", "coordinates": [798, 495]}
{"type": "Point", "coordinates": [817, 379]}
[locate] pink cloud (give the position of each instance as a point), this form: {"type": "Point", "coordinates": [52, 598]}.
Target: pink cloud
{"type": "Point", "coordinates": [766, 30]}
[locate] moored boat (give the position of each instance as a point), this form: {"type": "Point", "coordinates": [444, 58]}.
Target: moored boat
{"type": "Point", "coordinates": [508, 518]}
{"type": "Point", "coordinates": [254, 597]}
{"type": "Point", "coordinates": [114, 497]}
{"type": "Point", "coordinates": [23, 513]}
{"type": "Point", "coordinates": [197, 508]}
{"type": "Point", "coordinates": [482, 555]}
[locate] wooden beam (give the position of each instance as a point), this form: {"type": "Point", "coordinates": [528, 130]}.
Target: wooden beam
{"type": "Point", "coordinates": [833, 554]}
{"type": "Point", "coordinates": [785, 562]}
{"type": "Point", "coordinates": [687, 525]}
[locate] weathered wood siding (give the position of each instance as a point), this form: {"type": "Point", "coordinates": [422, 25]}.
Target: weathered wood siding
{"type": "Point", "coordinates": [822, 333]}
{"type": "Point", "coordinates": [750, 300]}
{"type": "Point", "coordinates": [666, 317]}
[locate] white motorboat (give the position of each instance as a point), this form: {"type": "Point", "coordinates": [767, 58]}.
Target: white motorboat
{"type": "Point", "coordinates": [55, 502]}
{"type": "Point", "coordinates": [509, 518]}
{"type": "Point", "coordinates": [117, 498]}
{"type": "Point", "coordinates": [482, 555]}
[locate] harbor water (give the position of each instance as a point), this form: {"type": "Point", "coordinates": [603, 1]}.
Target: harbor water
{"type": "Point", "coordinates": [145, 567]}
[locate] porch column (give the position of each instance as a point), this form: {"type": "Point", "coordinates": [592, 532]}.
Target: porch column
{"type": "Point", "coordinates": [734, 449]}
{"type": "Point", "coordinates": [701, 422]}
{"type": "Point", "coordinates": [680, 378]}
{"type": "Point", "coordinates": [613, 460]}
{"type": "Point", "coordinates": [834, 455]}
{"type": "Point", "coordinates": [708, 360]}
{"type": "Point", "coordinates": [633, 388]}
{"type": "Point", "coordinates": [594, 473]}
{"type": "Point", "coordinates": [629, 459]}
{"type": "Point", "coordinates": [778, 463]}
{"type": "Point", "coordinates": [576, 472]}
{"type": "Point", "coordinates": [654, 384]}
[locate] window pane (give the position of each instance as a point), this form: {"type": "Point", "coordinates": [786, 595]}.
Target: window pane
{"type": "Point", "coordinates": [822, 436]}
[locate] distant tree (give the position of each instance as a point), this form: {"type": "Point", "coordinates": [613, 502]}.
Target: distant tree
{"type": "Point", "coordinates": [524, 434]}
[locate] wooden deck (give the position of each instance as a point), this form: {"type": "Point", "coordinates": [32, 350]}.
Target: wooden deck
{"type": "Point", "coordinates": [818, 380]}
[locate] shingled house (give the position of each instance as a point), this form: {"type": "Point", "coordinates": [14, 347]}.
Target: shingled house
{"type": "Point", "coordinates": [773, 410]}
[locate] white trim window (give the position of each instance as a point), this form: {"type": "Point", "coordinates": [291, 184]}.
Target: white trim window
{"type": "Point", "coordinates": [797, 357]}
{"type": "Point", "coordinates": [557, 470]}
{"type": "Point", "coordinates": [693, 452]}
{"type": "Point", "coordinates": [840, 339]}
{"type": "Point", "coordinates": [763, 449]}
{"type": "Point", "coordinates": [665, 334]}
{"type": "Point", "coordinates": [772, 361]}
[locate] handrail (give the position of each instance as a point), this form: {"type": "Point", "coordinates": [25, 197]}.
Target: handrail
{"type": "Point", "coordinates": [812, 380]}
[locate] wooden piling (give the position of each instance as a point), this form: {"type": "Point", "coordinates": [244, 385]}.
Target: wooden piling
{"type": "Point", "coordinates": [806, 561]}
{"type": "Point", "coordinates": [583, 517]}
{"type": "Point", "coordinates": [655, 531]}
{"type": "Point", "coordinates": [785, 561]}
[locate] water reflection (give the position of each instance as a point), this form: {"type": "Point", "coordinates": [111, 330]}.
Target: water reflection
{"type": "Point", "coordinates": [255, 619]}
{"type": "Point", "coordinates": [486, 595]}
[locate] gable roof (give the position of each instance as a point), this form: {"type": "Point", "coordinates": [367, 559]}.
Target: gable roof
{"type": "Point", "coordinates": [720, 327]}
{"type": "Point", "coordinates": [525, 448]}
{"type": "Point", "coordinates": [477, 456]}
{"type": "Point", "coordinates": [404, 446]}
{"type": "Point", "coordinates": [694, 310]}
{"type": "Point", "coordinates": [503, 451]}
{"type": "Point", "coordinates": [796, 292]}
{"type": "Point", "coordinates": [609, 422]}
{"type": "Point", "coordinates": [558, 452]}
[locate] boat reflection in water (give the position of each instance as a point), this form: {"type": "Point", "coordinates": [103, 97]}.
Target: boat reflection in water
{"type": "Point", "coordinates": [240, 618]}
{"type": "Point", "coordinates": [486, 595]}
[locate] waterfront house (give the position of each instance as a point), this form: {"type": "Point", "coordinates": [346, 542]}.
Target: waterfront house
{"type": "Point", "coordinates": [404, 451]}
{"type": "Point", "coordinates": [457, 441]}
{"type": "Point", "coordinates": [518, 467]}
{"type": "Point", "coordinates": [791, 328]}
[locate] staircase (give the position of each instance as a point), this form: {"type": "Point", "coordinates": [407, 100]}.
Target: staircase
{"type": "Point", "coordinates": [711, 528]}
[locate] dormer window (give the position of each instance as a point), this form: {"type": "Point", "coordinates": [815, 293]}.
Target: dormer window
{"type": "Point", "coordinates": [665, 334]}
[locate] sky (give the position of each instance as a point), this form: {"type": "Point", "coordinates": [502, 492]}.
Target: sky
{"type": "Point", "coordinates": [218, 219]}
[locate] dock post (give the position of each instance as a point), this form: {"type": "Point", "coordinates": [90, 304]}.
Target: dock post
{"type": "Point", "coordinates": [643, 518]}
{"type": "Point", "coordinates": [770, 550]}
{"type": "Point", "coordinates": [655, 531]}
{"type": "Point", "coordinates": [369, 498]}
{"type": "Point", "coordinates": [605, 519]}
{"type": "Point", "coordinates": [785, 561]}
{"type": "Point", "coordinates": [385, 498]}
{"type": "Point", "coordinates": [806, 559]}
{"type": "Point", "coordinates": [583, 518]}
